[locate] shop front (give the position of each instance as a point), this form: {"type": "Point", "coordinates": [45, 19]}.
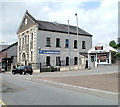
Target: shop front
{"type": "Point", "coordinates": [100, 55]}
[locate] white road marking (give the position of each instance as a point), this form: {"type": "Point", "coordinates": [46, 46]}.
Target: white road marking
{"type": "Point", "coordinates": [91, 89]}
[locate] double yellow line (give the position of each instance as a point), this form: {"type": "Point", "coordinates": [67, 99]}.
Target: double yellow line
{"type": "Point", "coordinates": [2, 103]}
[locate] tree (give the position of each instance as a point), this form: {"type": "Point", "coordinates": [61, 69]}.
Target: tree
{"type": "Point", "coordinates": [112, 43]}
{"type": "Point", "coordinates": [115, 55]}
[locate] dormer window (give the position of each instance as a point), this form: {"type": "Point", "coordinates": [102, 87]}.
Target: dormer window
{"type": "Point", "coordinates": [25, 21]}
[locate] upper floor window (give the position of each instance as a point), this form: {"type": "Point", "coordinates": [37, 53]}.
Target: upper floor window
{"type": "Point", "coordinates": [75, 44]}
{"type": "Point", "coordinates": [57, 42]}
{"type": "Point", "coordinates": [19, 41]}
{"type": "Point", "coordinates": [31, 36]}
{"type": "Point", "coordinates": [23, 40]}
{"type": "Point", "coordinates": [66, 43]}
{"type": "Point", "coordinates": [28, 39]}
{"type": "Point", "coordinates": [48, 44]}
{"type": "Point", "coordinates": [26, 21]}
{"type": "Point", "coordinates": [31, 42]}
{"type": "Point", "coordinates": [83, 45]}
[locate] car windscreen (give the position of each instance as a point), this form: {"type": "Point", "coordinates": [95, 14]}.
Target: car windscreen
{"type": "Point", "coordinates": [28, 67]}
{"type": "Point", "coordinates": [21, 67]}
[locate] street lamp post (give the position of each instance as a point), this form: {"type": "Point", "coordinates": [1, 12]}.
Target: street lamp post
{"type": "Point", "coordinates": [69, 46]}
{"type": "Point", "coordinates": [39, 58]}
{"type": "Point", "coordinates": [77, 38]}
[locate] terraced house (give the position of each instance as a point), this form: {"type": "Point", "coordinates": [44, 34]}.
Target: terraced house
{"type": "Point", "coordinates": [51, 43]}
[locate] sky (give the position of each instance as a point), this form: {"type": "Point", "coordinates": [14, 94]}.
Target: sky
{"type": "Point", "coordinates": [98, 17]}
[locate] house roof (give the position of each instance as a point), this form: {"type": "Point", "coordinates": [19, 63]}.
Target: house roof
{"type": "Point", "coordinates": [56, 27]}
{"type": "Point", "coordinates": [9, 47]}
{"type": "Point", "coordinates": [106, 48]}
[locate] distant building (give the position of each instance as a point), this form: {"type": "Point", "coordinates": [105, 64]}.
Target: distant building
{"type": "Point", "coordinates": [3, 47]}
{"type": "Point", "coordinates": [49, 43]}
{"type": "Point", "coordinates": [8, 56]}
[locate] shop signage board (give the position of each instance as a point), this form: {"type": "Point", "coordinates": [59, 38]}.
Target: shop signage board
{"type": "Point", "coordinates": [98, 47]}
{"type": "Point", "coordinates": [49, 52]}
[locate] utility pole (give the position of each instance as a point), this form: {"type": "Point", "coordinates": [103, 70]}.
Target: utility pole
{"type": "Point", "coordinates": [69, 46]}
{"type": "Point", "coordinates": [77, 39]}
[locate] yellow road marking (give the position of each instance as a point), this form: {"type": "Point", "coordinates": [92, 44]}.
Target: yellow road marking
{"type": "Point", "coordinates": [2, 103]}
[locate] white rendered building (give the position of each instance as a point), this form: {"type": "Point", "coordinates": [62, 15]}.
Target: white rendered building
{"type": "Point", "coordinates": [100, 55]}
{"type": "Point", "coordinates": [50, 43]}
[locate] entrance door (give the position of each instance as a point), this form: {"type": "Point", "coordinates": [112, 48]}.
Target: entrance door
{"type": "Point", "coordinates": [92, 60]}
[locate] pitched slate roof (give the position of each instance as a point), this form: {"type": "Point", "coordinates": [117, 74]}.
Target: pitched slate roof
{"type": "Point", "coordinates": [9, 46]}
{"type": "Point", "coordinates": [56, 27]}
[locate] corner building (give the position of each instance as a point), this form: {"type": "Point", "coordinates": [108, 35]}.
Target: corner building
{"type": "Point", "coordinates": [50, 43]}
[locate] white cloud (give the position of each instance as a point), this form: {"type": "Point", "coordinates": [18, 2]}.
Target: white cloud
{"type": "Point", "coordinates": [100, 21]}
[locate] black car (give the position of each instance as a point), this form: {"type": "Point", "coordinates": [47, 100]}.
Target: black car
{"type": "Point", "coordinates": [22, 70]}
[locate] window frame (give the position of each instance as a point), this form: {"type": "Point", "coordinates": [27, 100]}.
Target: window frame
{"type": "Point", "coordinates": [58, 62]}
{"type": "Point", "coordinates": [67, 61]}
{"type": "Point", "coordinates": [75, 44]}
{"type": "Point", "coordinates": [47, 64]}
{"type": "Point", "coordinates": [48, 42]}
{"type": "Point", "coordinates": [58, 43]}
{"type": "Point", "coordinates": [75, 60]}
{"type": "Point", "coordinates": [66, 43]}
{"type": "Point", "coordinates": [83, 45]}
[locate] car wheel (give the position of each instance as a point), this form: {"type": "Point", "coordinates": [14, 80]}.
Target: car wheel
{"type": "Point", "coordinates": [30, 73]}
{"type": "Point", "coordinates": [13, 73]}
{"type": "Point", "coordinates": [24, 73]}
{"type": "Point", "coordinates": [20, 73]}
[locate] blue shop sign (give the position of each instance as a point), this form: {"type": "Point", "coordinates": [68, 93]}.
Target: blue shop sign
{"type": "Point", "coordinates": [49, 52]}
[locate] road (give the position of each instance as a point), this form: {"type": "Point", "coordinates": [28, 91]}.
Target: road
{"type": "Point", "coordinates": [17, 90]}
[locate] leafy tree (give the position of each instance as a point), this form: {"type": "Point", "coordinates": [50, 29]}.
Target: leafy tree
{"type": "Point", "coordinates": [115, 55]}
{"type": "Point", "coordinates": [112, 43]}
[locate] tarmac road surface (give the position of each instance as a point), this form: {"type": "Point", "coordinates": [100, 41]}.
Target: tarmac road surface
{"type": "Point", "coordinates": [19, 91]}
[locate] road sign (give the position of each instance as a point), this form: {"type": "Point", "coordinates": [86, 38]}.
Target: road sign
{"type": "Point", "coordinates": [49, 52]}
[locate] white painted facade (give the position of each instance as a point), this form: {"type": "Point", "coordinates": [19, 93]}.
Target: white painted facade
{"type": "Point", "coordinates": [31, 39]}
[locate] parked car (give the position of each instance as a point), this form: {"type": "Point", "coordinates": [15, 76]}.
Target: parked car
{"type": "Point", "coordinates": [22, 70]}
{"type": "Point", "coordinates": [2, 69]}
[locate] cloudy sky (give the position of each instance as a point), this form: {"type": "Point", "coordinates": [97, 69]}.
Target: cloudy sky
{"type": "Point", "coordinates": [98, 17]}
